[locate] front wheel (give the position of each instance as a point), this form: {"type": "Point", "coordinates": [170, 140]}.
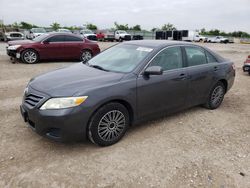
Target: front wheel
{"type": "Point", "coordinates": [29, 56]}
{"type": "Point", "coordinates": [109, 124]}
{"type": "Point", "coordinates": [216, 96]}
{"type": "Point", "coordinates": [85, 56]}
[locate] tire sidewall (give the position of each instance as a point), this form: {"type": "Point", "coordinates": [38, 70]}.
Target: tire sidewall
{"type": "Point", "coordinates": [22, 56]}
{"type": "Point", "coordinates": [94, 122]}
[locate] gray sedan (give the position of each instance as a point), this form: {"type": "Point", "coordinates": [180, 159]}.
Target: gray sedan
{"type": "Point", "coordinates": [124, 85]}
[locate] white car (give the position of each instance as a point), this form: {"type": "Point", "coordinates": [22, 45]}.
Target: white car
{"type": "Point", "coordinates": [35, 32]}
{"type": "Point", "coordinates": [64, 31]}
{"type": "Point", "coordinates": [121, 35]}
{"type": "Point", "coordinates": [200, 38]}
{"type": "Point", "coordinates": [86, 33]}
{"type": "Point", "coordinates": [218, 39]}
{"type": "Point", "coordinates": [13, 36]}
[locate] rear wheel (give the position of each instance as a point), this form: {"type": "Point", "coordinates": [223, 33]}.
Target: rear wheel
{"type": "Point", "coordinates": [216, 96]}
{"type": "Point", "coordinates": [109, 124]}
{"type": "Point", "coordinates": [29, 56]}
{"type": "Point", "coordinates": [85, 56]}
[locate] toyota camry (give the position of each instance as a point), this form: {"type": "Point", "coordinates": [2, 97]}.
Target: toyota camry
{"type": "Point", "coordinates": [126, 84]}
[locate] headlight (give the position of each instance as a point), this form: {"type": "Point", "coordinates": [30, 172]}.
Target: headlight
{"type": "Point", "coordinates": [14, 47]}
{"type": "Point", "coordinates": [65, 102]}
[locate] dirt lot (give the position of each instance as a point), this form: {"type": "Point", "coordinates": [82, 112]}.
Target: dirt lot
{"type": "Point", "coordinates": [194, 148]}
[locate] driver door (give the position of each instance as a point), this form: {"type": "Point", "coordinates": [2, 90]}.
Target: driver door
{"type": "Point", "coordinates": [163, 93]}
{"type": "Point", "coordinates": [53, 48]}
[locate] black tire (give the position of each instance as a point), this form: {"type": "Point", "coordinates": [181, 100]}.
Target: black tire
{"type": "Point", "coordinates": [216, 96]}
{"type": "Point", "coordinates": [29, 56]}
{"type": "Point", "coordinates": [120, 39]}
{"type": "Point", "coordinates": [109, 124]}
{"type": "Point", "coordinates": [86, 55]}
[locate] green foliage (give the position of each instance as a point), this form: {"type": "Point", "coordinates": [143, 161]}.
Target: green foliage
{"type": "Point", "coordinates": [121, 27]}
{"type": "Point", "coordinates": [168, 27]}
{"type": "Point", "coordinates": [25, 25]}
{"type": "Point", "coordinates": [136, 28]}
{"type": "Point", "coordinates": [16, 25]}
{"type": "Point", "coordinates": [91, 26]}
{"type": "Point", "coordinates": [217, 32]}
{"type": "Point", "coordinates": [55, 26]}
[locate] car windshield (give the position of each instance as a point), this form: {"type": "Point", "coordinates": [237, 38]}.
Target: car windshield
{"type": "Point", "coordinates": [120, 58]}
{"type": "Point", "coordinates": [40, 38]}
{"type": "Point", "coordinates": [88, 32]}
{"type": "Point", "coordinates": [122, 32]}
{"type": "Point", "coordinates": [38, 30]}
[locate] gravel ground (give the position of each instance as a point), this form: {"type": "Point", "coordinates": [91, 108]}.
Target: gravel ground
{"type": "Point", "coordinates": [192, 148]}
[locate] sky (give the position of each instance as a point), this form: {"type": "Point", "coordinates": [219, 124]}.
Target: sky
{"type": "Point", "coordinates": [226, 15]}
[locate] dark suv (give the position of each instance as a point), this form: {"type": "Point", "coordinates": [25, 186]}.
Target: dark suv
{"type": "Point", "coordinates": [126, 84]}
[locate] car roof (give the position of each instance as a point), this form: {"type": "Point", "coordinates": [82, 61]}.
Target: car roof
{"type": "Point", "coordinates": [158, 43]}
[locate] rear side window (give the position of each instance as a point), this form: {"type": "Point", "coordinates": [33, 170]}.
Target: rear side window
{"type": "Point", "coordinates": [72, 39]}
{"type": "Point", "coordinates": [195, 56]}
{"type": "Point", "coordinates": [210, 58]}
{"type": "Point", "coordinates": [57, 38]}
{"type": "Point", "coordinates": [168, 59]}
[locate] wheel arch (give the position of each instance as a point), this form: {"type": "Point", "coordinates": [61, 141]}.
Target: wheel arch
{"type": "Point", "coordinates": [125, 103]}
{"type": "Point", "coordinates": [24, 49]}
{"type": "Point", "coordinates": [224, 81]}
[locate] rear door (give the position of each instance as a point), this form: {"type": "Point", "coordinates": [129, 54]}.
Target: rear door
{"type": "Point", "coordinates": [52, 48]}
{"type": "Point", "coordinates": [166, 92]}
{"type": "Point", "coordinates": [72, 47]}
{"type": "Point", "coordinates": [200, 75]}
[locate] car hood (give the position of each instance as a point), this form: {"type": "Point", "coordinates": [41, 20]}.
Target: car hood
{"type": "Point", "coordinates": [71, 80]}
{"type": "Point", "coordinates": [20, 42]}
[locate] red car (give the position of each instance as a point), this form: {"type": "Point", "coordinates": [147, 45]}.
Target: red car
{"type": "Point", "coordinates": [100, 36]}
{"type": "Point", "coordinates": [246, 66]}
{"type": "Point", "coordinates": [61, 46]}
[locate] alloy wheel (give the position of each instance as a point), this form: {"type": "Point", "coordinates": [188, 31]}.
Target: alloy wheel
{"type": "Point", "coordinates": [217, 95]}
{"type": "Point", "coordinates": [86, 55]}
{"type": "Point", "coordinates": [111, 125]}
{"type": "Point", "coordinates": [30, 57]}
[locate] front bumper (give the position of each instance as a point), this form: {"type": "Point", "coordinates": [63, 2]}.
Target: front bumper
{"type": "Point", "coordinates": [13, 53]}
{"type": "Point", "coordinates": [246, 67]}
{"type": "Point", "coordinates": [60, 125]}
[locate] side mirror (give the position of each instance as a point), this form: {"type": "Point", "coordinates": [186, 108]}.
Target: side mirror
{"type": "Point", "coordinates": [45, 42]}
{"type": "Point", "coordinates": [154, 70]}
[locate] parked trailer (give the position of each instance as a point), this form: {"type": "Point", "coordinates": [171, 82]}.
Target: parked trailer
{"type": "Point", "coordinates": [180, 35]}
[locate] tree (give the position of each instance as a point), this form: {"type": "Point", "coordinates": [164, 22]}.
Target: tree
{"type": "Point", "coordinates": [16, 25]}
{"type": "Point", "coordinates": [154, 29]}
{"type": "Point", "coordinates": [55, 26]}
{"type": "Point", "coordinates": [136, 28]}
{"type": "Point", "coordinates": [121, 27]}
{"type": "Point", "coordinates": [169, 27]}
{"type": "Point", "coordinates": [91, 26]}
{"type": "Point", "coordinates": [25, 25]}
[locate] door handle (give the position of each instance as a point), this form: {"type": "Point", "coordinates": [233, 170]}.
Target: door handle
{"type": "Point", "coordinates": [216, 68]}
{"type": "Point", "coordinates": [182, 77]}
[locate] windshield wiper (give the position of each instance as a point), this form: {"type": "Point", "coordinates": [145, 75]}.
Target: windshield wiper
{"type": "Point", "coordinates": [98, 67]}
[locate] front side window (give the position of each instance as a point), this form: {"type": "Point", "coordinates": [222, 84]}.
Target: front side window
{"type": "Point", "coordinates": [195, 56]}
{"type": "Point", "coordinates": [168, 59]}
{"type": "Point", "coordinates": [58, 38]}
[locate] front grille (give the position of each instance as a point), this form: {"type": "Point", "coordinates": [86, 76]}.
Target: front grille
{"type": "Point", "coordinates": [32, 100]}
